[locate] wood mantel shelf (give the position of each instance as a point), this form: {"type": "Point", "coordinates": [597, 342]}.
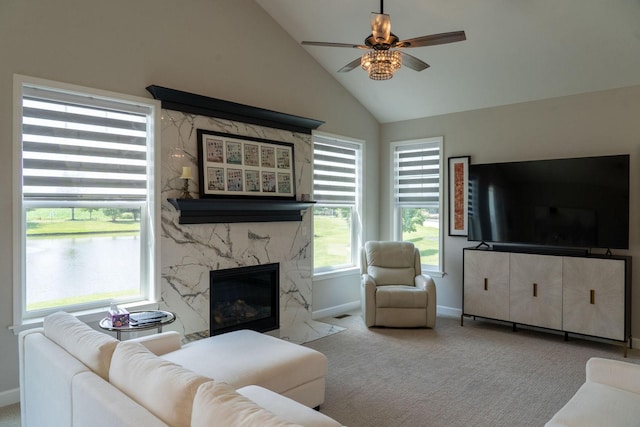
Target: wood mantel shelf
{"type": "Point", "coordinates": [203, 211]}
{"type": "Point", "coordinates": [186, 102]}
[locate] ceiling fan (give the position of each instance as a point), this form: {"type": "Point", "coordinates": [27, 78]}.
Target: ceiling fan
{"type": "Point", "coordinates": [383, 60]}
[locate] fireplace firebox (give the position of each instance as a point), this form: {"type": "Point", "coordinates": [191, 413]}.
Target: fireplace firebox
{"type": "Point", "coordinates": [244, 298]}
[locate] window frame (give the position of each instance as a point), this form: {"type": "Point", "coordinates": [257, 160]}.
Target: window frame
{"type": "Point", "coordinates": [149, 219]}
{"type": "Point", "coordinates": [356, 212]}
{"type": "Point", "coordinates": [396, 216]}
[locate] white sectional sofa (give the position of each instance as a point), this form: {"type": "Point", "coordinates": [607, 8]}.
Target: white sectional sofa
{"type": "Point", "coordinates": [72, 375]}
{"type": "Point", "coordinates": [610, 396]}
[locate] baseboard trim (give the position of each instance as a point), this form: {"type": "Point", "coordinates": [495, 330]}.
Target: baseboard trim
{"type": "Point", "coordinates": [336, 310]}
{"type": "Point", "coordinates": [9, 397]}
{"type": "Point", "coordinates": [448, 311]}
{"type": "Point", "coordinates": [441, 310]}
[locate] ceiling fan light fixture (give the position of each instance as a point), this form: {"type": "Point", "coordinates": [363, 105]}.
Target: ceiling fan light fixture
{"type": "Point", "coordinates": [381, 64]}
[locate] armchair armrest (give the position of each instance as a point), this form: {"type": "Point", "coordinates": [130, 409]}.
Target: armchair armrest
{"type": "Point", "coordinates": [368, 282]}
{"type": "Point", "coordinates": [424, 281]}
{"type": "Point", "coordinates": [421, 281]}
{"type": "Point", "coordinates": [622, 375]}
{"type": "Point", "coordinates": [161, 343]}
{"type": "Point", "coordinates": [368, 299]}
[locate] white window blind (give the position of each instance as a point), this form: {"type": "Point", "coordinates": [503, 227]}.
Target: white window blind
{"type": "Point", "coordinates": [417, 173]}
{"type": "Point", "coordinates": [335, 172]}
{"type": "Point", "coordinates": [75, 151]}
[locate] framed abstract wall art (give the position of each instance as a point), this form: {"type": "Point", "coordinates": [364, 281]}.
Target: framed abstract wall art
{"type": "Point", "coordinates": [458, 196]}
{"type": "Point", "coordinates": [242, 166]}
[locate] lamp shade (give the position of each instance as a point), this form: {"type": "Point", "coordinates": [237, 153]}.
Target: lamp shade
{"type": "Point", "coordinates": [186, 173]}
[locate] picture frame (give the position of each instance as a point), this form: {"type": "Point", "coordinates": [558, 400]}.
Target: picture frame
{"type": "Point", "coordinates": [458, 168]}
{"type": "Point", "coordinates": [234, 166]}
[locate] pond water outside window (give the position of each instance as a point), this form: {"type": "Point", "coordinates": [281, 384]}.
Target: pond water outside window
{"type": "Point", "coordinates": [81, 255]}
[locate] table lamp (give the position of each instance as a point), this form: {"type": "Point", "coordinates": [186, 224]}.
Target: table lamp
{"type": "Point", "coordinates": [186, 175]}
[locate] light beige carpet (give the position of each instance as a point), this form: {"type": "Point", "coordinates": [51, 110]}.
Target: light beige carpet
{"type": "Point", "coordinates": [10, 416]}
{"type": "Point", "coordinates": [481, 374]}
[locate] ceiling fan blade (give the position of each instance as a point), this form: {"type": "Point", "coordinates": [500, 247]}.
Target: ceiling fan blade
{"type": "Point", "coordinates": [350, 66]}
{"type": "Point", "coordinates": [356, 46]}
{"type": "Point", "coordinates": [433, 39]}
{"type": "Point", "coordinates": [380, 27]}
{"type": "Point", "coordinates": [413, 62]}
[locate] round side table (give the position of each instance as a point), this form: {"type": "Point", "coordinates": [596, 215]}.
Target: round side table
{"type": "Point", "coordinates": [107, 326]}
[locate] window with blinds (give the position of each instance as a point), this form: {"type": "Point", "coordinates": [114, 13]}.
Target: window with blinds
{"type": "Point", "coordinates": [337, 178]}
{"type": "Point", "coordinates": [335, 172]}
{"type": "Point", "coordinates": [417, 168]}
{"type": "Point", "coordinates": [417, 197]}
{"type": "Point", "coordinates": [74, 148]}
{"type": "Point", "coordinates": [87, 199]}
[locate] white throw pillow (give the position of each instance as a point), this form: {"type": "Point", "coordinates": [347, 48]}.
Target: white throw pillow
{"type": "Point", "coordinates": [164, 388]}
{"type": "Point", "coordinates": [89, 346]}
{"type": "Point", "coordinates": [218, 404]}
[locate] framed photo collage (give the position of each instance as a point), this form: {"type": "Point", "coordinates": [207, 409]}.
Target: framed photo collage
{"type": "Point", "coordinates": [232, 165]}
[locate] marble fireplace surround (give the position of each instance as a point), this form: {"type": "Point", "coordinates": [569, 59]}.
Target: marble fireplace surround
{"type": "Point", "coordinates": [190, 251]}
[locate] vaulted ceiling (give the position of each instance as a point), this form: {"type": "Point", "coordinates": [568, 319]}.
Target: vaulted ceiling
{"type": "Point", "coordinates": [516, 50]}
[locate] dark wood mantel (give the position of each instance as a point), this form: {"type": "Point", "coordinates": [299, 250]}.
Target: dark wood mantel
{"type": "Point", "coordinates": [187, 102]}
{"type": "Point", "coordinates": [202, 211]}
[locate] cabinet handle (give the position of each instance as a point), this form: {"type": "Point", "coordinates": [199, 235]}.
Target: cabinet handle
{"type": "Point", "coordinates": [486, 284]}
{"type": "Point", "coordinates": [535, 289]}
{"type": "Point", "coordinates": [593, 296]}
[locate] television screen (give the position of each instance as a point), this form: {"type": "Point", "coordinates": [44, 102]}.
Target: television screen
{"type": "Point", "coordinates": [579, 202]}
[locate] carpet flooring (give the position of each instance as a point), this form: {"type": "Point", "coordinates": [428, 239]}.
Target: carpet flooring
{"type": "Point", "coordinates": [10, 416]}
{"type": "Point", "coordinates": [479, 374]}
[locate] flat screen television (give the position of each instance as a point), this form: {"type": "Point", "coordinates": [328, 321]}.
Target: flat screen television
{"type": "Point", "coordinates": [569, 203]}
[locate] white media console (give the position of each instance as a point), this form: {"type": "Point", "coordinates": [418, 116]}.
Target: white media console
{"type": "Point", "coordinates": [587, 295]}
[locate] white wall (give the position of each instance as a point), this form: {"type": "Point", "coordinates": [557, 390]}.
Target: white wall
{"type": "Point", "coordinates": [598, 123]}
{"type": "Point", "coordinates": [336, 294]}
{"type": "Point", "coordinates": [225, 49]}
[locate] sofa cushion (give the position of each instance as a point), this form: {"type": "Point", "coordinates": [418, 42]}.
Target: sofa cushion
{"type": "Point", "coordinates": [164, 388]}
{"type": "Point", "coordinates": [286, 408]}
{"type": "Point", "coordinates": [89, 346]}
{"type": "Point", "coordinates": [401, 297]}
{"type": "Point", "coordinates": [220, 402]}
{"type": "Point", "coordinates": [392, 276]}
{"type": "Point", "coordinates": [390, 254]}
{"type": "Point", "coordinates": [246, 357]}
{"type": "Point", "coordinates": [596, 404]}
{"type": "Point", "coordinates": [97, 403]}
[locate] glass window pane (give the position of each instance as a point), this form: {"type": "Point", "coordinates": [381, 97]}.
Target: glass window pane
{"type": "Point", "coordinates": [332, 236]}
{"type": "Point", "coordinates": [81, 255]}
{"type": "Point", "coordinates": [422, 228]}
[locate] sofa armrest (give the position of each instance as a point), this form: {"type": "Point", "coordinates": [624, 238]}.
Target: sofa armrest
{"type": "Point", "coordinates": [161, 343]}
{"type": "Point", "coordinates": [286, 408]}
{"type": "Point", "coordinates": [21, 365]}
{"type": "Point", "coordinates": [622, 375]}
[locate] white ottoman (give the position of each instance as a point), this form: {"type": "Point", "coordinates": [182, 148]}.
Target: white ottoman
{"type": "Point", "coordinates": [245, 357]}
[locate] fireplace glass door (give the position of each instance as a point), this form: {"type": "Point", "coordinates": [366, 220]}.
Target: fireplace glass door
{"type": "Point", "coordinates": [244, 298]}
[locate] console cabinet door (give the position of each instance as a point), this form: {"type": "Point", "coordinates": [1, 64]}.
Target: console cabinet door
{"type": "Point", "coordinates": [593, 297]}
{"type": "Point", "coordinates": [486, 284]}
{"type": "Point", "coordinates": [536, 290]}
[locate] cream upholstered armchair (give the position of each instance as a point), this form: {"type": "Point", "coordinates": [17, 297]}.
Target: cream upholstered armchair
{"type": "Point", "coordinates": [393, 289]}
